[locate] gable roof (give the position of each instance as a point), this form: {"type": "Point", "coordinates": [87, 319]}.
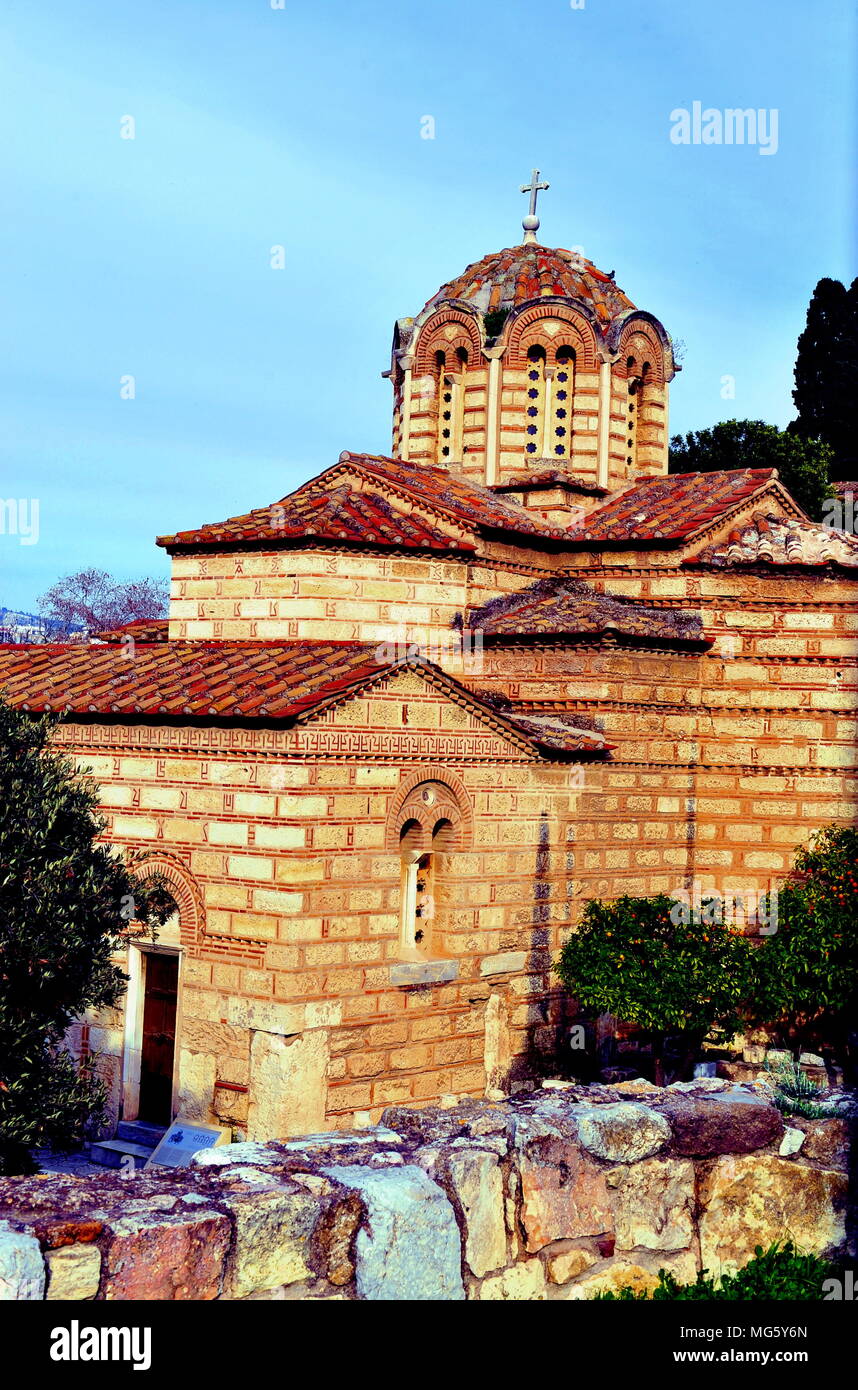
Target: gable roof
{"type": "Point", "coordinates": [775, 540]}
{"type": "Point", "coordinates": [213, 681]}
{"type": "Point", "coordinates": [339, 513]}
{"type": "Point", "coordinates": [669, 510]}
{"type": "Point", "coordinates": [356, 501]}
{"type": "Point", "coordinates": [556, 609]}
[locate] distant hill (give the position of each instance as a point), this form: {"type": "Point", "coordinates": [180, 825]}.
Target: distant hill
{"type": "Point", "coordinates": [29, 627]}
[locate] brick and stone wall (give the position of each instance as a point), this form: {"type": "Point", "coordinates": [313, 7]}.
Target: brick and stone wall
{"type": "Point", "coordinates": [298, 1008]}
{"type": "Point", "coordinates": [557, 1194]}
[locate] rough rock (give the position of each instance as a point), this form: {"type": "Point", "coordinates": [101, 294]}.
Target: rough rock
{"type": "Point", "coordinates": [522, 1282]}
{"type": "Point", "coordinates": [74, 1272]}
{"type": "Point", "coordinates": [568, 1264]}
{"type": "Point", "coordinates": [22, 1269]}
{"type": "Point", "coordinates": [183, 1258]}
{"type": "Point", "coordinates": [827, 1142]}
{"type": "Point", "coordinates": [733, 1121]}
{"type": "Point", "coordinates": [476, 1181]}
{"type": "Point", "coordinates": [791, 1142]}
{"type": "Point", "coordinates": [655, 1204]}
{"type": "Point", "coordinates": [623, 1132]}
{"type": "Point", "coordinates": [409, 1246]}
{"type": "Point", "coordinates": [750, 1200]}
{"type": "Point", "coordinates": [638, 1086]}
{"type": "Point", "coordinates": [564, 1192]}
{"type": "Point", "coordinates": [255, 1155]}
{"type": "Point", "coordinates": [626, 1274]}
{"type": "Point", "coordinates": [272, 1235]}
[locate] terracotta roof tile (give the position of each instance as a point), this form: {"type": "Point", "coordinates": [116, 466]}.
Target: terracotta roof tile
{"type": "Point", "coordinates": [505, 279]}
{"type": "Point", "coordinates": [570, 608]}
{"type": "Point", "coordinates": [331, 508]}
{"type": "Point", "coordinates": [141, 629]}
{"type": "Point", "coordinates": [670, 508]}
{"type": "Point", "coordinates": [337, 514]}
{"type": "Point", "coordinates": [772, 540]}
{"type": "Point", "coordinates": [222, 680]}
{"type": "Point", "coordinates": [183, 678]}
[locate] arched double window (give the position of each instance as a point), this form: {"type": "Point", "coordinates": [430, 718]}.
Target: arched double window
{"type": "Point", "coordinates": [428, 835]}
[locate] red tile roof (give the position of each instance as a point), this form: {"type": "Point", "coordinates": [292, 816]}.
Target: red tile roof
{"type": "Point", "coordinates": [558, 609]}
{"type": "Point", "coordinates": [331, 508]}
{"type": "Point", "coordinates": [141, 629]}
{"type": "Point", "coordinates": [550, 478]}
{"type": "Point", "coordinates": [220, 680]}
{"type": "Point", "coordinates": [340, 513]}
{"type": "Point", "coordinates": [773, 540]}
{"type": "Point", "coordinates": [185, 678]}
{"type": "Point", "coordinates": [505, 279]}
{"type": "Point", "coordinates": [672, 508]}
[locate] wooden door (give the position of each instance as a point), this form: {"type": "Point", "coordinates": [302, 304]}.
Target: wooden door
{"type": "Point", "coordinates": [159, 1038]}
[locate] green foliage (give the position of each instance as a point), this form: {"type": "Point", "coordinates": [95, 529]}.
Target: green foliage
{"type": "Point", "coordinates": [654, 962]}
{"type": "Point", "coordinates": [780, 1272]}
{"type": "Point", "coordinates": [806, 974]}
{"type": "Point", "coordinates": [804, 465]}
{"type": "Point", "coordinates": [826, 373]}
{"type": "Point", "coordinates": [494, 321]}
{"type": "Point", "coordinates": [795, 1093]}
{"type": "Point", "coordinates": [64, 902]}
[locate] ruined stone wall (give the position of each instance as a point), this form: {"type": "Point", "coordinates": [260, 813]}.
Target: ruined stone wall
{"type": "Point", "coordinates": [555, 1195]}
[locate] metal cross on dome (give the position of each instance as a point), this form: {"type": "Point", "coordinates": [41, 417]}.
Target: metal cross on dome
{"type": "Point", "coordinates": [531, 222]}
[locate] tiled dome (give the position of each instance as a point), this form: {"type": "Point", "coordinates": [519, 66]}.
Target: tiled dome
{"type": "Point", "coordinates": [508, 278]}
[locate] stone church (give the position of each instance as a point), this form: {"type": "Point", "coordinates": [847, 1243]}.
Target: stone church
{"type": "Point", "coordinates": [402, 722]}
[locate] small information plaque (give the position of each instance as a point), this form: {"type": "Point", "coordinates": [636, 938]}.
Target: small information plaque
{"type": "Point", "coordinates": [183, 1140]}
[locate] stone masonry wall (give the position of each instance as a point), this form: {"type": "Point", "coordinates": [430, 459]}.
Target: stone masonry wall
{"type": "Point", "coordinates": [557, 1194]}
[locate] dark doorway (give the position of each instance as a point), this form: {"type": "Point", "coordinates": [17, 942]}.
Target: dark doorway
{"type": "Point", "coordinates": [159, 1038]}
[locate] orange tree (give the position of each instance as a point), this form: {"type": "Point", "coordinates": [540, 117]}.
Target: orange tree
{"type": "Point", "coordinates": [674, 970]}
{"type": "Point", "coordinates": [806, 972]}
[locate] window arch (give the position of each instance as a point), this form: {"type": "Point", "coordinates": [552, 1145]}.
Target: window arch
{"type": "Point", "coordinates": [428, 825]}
{"type": "Point", "coordinates": [534, 410]}
{"type": "Point", "coordinates": [639, 380]}
{"type": "Point", "coordinates": [559, 440]}
{"type": "Point", "coordinates": [449, 404]}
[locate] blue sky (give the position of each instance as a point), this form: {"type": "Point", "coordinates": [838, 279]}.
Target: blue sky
{"type": "Point", "coordinates": [301, 127]}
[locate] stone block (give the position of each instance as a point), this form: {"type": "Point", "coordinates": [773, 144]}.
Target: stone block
{"type": "Point", "coordinates": [74, 1272]}
{"type": "Point", "coordinates": [623, 1132]}
{"type": "Point", "coordinates": [655, 1204]}
{"type": "Point", "coordinates": [272, 1236]}
{"type": "Point", "coordinates": [564, 1191]}
{"type": "Point", "coordinates": [288, 1084]}
{"type": "Point", "coordinates": [22, 1269]}
{"type": "Point", "coordinates": [523, 1283]}
{"type": "Point", "coordinates": [749, 1200]}
{"type": "Point", "coordinates": [475, 1179]}
{"type": "Point", "coordinates": [151, 1259]}
{"type": "Point", "coordinates": [732, 1121]}
{"type": "Point", "coordinates": [409, 1246]}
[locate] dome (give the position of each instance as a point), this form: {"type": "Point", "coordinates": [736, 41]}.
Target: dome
{"type": "Point", "coordinates": [505, 279]}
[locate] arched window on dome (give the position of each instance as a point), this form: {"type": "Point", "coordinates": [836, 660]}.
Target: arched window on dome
{"type": "Point", "coordinates": [559, 434]}
{"type": "Point", "coordinates": [638, 378]}
{"type": "Point", "coordinates": [450, 396]}
{"type": "Point", "coordinates": [534, 411]}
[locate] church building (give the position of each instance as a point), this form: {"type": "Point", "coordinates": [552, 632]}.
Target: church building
{"type": "Point", "coordinates": [404, 721]}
